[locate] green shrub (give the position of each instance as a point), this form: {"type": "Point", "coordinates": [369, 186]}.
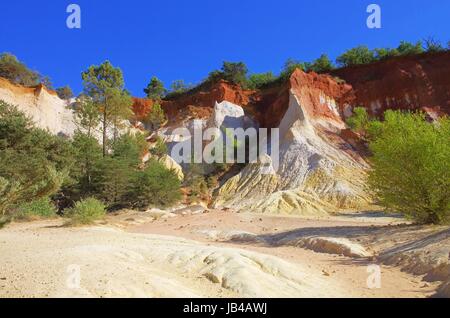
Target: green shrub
{"type": "Point", "coordinates": [155, 89]}
{"type": "Point", "coordinates": [65, 92]}
{"type": "Point", "coordinates": [359, 121]}
{"type": "Point", "coordinates": [42, 208]}
{"type": "Point", "coordinates": [321, 65]}
{"type": "Point", "coordinates": [407, 48]}
{"type": "Point", "coordinates": [17, 72]}
{"type": "Point", "coordinates": [356, 56]}
{"type": "Point", "coordinates": [154, 186]}
{"type": "Point", "coordinates": [235, 73]}
{"type": "Point", "coordinates": [156, 117]}
{"type": "Point", "coordinates": [411, 167]}
{"type": "Point", "coordinates": [432, 45]}
{"type": "Point", "coordinates": [260, 80]}
{"type": "Point", "coordinates": [86, 212]}
{"type": "Point", "coordinates": [33, 163]}
{"type": "Point", "coordinates": [160, 148]}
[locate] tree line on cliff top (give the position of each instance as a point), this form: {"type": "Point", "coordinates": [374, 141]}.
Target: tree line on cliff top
{"type": "Point", "coordinates": [238, 73]}
{"type": "Point", "coordinates": [17, 72]}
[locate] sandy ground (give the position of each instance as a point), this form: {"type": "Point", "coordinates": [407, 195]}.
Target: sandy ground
{"type": "Point", "coordinates": [217, 254]}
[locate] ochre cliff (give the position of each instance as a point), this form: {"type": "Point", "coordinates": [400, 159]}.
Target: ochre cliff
{"type": "Point", "coordinates": [420, 82]}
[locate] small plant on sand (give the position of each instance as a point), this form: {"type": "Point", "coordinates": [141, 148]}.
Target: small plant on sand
{"type": "Point", "coordinates": [86, 212]}
{"type": "Point", "coordinates": [41, 208]}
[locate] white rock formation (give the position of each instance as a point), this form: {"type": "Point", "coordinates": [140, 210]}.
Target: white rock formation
{"type": "Point", "coordinates": [46, 109]}
{"type": "Point", "coordinates": [315, 174]}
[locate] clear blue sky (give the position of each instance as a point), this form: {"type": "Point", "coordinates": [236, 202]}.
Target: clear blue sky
{"type": "Point", "coordinates": [182, 39]}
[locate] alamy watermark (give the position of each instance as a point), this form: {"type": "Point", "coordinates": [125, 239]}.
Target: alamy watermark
{"type": "Point", "coordinates": [374, 19]}
{"type": "Point", "coordinates": [74, 19]}
{"type": "Point", "coordinates": [228, 145]}
{"type": "Point", "coordinates": [374, 278]}
{"type": "Point", "coordinates": [73, 280]}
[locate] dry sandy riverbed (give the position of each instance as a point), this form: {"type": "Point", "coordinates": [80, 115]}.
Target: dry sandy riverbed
{"type": "Point", "coordinates": [217, 254]}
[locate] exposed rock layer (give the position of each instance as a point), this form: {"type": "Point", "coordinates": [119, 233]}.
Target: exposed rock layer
{"type": "Point", "coordinates": [46, 109]}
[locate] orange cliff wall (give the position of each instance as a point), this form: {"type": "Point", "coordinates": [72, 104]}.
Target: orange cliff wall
{"type": "Point", "coordinates": [199, 104]}
{"type": "Point", "coordinates": [409, 83]}
{"type": "Point", "coordinates": [267, 106]}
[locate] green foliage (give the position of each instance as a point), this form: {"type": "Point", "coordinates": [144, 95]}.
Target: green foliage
{"type": "Point", "coordinates": [155, 186]}
{"type": "Point", "coordinates": [65, 92]}
{"type": "Point", "coordinates": [104, 85]}
{"type": "Point", "coordinates": [432, 45]}
{"type": "Point", "coordinates": [111, 180]}
{"type": "Point", "coordinates": [113, 175]}
{"type": "Point", "coordinates": [17, 72]}
{"type": "Point", "coordinates": [356, 56]}
{"type": "Point", "coordinates": [407, 48]}
{"type": "Point", "coordinates": [322, 65]}
{"type": "Point", "coordinates": [179, 87]}
{"type": "Point", "coordinates": [155, 89]}
{"type": "Point", "coordinates": [290, 66]}
{"type": "Point", "coordinates": [87, 114]}
{"type": "Point", "coordinates": [33, 163]}
{"type": "Point", "coordinates": [156, 117]}
{"type": "Point", "coordinates": [130, 148]}
{"type": "Point", "coordinates": [86, 212]}
{"type": "Point", "coordinates": [260, 80]}
{"type": "Point", "coordinates": [235, 73]}
{"type": "Point", "coordinates": [42, 208]}
{"type": "Point", "coordinates": [359, 121]}
{"type": "Point", "coordinates": [411, 167]}
{"type": "Point", "coordinates": [88, 154]}
{"type": "Point", "coordinates": [160, 148]}
{"type": "Point", "coordinates": [385, 53]}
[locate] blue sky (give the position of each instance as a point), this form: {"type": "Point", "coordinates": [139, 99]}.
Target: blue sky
{"type": "Point", "coordinates": [181, 39]}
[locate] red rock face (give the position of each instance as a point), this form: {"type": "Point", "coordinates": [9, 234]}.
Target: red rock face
{"type": "Point", "coordinates": [197, 105]}
{"type": "Point", "coordinates": [415, 82]}
{"type": "Point", "coordinates": [141, 107]}
{"type": "Point", "coordinates": [408, 83]}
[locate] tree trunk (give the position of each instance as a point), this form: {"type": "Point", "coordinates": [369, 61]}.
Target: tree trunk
{"type": "Point", "coordinates": [104, 133]}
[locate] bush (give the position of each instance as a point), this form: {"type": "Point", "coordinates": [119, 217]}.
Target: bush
{"type": "Point", "coordinates": [432, 45]}
{"type": "Point", "coordinates": [17, 72]}
{"type": "Point", "coordinates": [290, 66]}
{"type": "Point", "coordinates": [65, 92]}
{"type": "Point", "coordinates": [356, 56]}
{"type": "Point", "coordinates": [411, 167]}
{"type": "Point", "coordinates": [155, 186]}
{"type": "Point", "coordinates": [86, 212]}
{"type": "Point", "coordinates": [260, 80]}
{"type": "Point", "coordinates": [159, 149]}
{"type": "Point", "coordinates": [406, 48]}
{"type": "Point", "coordinates": [235, 73]}
{"type": "Point", "coordinates": [156, 117]}
{"type": "Point", "coordinates": [33, 163]}
{"type": "Point", "coordinates": [42, 208]}
{"type": "Point", "coordinates": [359, 121]}
{"type": "Point", "coordinates": [155, 89]}
{"type": "Point", "coordinates": [322, 65]}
